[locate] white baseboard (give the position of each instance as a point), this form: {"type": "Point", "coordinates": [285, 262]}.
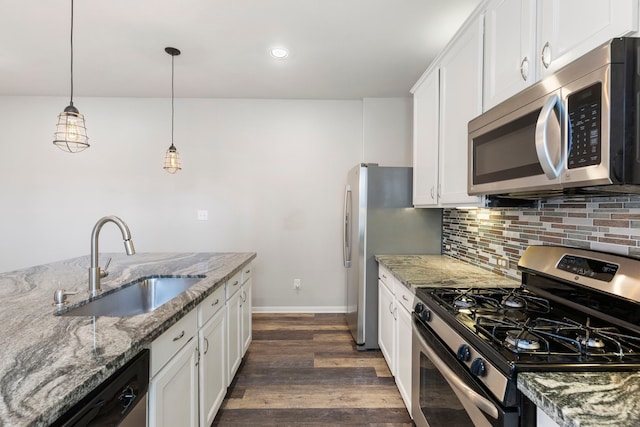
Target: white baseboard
{"type": "Point", "coordinates": [329, 309]}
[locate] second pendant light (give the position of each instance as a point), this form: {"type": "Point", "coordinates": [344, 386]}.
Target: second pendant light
{"type": "Point", "coordinates": [172, 158]}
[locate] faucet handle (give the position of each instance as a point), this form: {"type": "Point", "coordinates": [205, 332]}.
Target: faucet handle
{"type": "Point", "coordinates": [60, 297]}
{"type": "Point", "coordinates": [103, 271]}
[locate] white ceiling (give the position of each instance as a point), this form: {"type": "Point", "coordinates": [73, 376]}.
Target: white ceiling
{"type": "Point", "coordinates": [339, 49]}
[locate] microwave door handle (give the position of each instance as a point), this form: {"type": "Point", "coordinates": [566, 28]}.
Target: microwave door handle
{"type": "Point", "coordinates": [346, 243]}
{"type": "Point", "coordinates": [485, 405]}
{"type": "Point", "coordinates": [542, 142]}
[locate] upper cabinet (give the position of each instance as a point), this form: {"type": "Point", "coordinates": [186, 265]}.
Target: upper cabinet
{"type": "Point", "coordinates": [509, 49]}
{"type": "Point", "coordinates": [526, 40]}
{"type": "Point", "coordinates": [447, 96]}
{"type": "Point", "coordinates": [504, 46]}
{"type": "Point", "coordinates": [460, 101]}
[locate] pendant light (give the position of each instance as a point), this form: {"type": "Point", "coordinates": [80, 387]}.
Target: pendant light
{"type": "Point", "coordinates": [71, 133]}
{"type": "Point", "coordinates": [172, 158]}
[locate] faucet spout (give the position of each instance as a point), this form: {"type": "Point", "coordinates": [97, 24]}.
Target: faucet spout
{"type": "Point", "coordinates": [95, 273]}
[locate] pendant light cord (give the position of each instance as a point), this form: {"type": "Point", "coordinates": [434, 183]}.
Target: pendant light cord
{"type": "Point", "coordinates": [71, 52]}
{"type": "Point", "coordinates": [172, 58]}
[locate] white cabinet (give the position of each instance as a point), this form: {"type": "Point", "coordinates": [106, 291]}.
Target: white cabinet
{"type": "Point", "coordinates": [395, 304]}
{"type": "Point", "coordinates": [426, 124]}
{"type": "Point", "coordinates": [212, 342]}
{"type": "Point", "coordinates": [239, 323]}
{"type": "Point", "coordinates": [460, 101]}
{"type": "Point", "coordinates": [566, 30]}
{"type": "Point", "coordinates": [509, 49]}
{"type": "Point", "coordinates": [544, 420]}
{"type": "Point", "coordinates": [386, 324]}
{"type": "Point", "coordinates": [173, 388]}
{"type": "Point", "coordinates": [245, 309]}
{"type": "Point", "coordinates": [194, 361]}
{"type": "Point", "coordinates": [446, 98]}
{"type": "Point", "coordinates": [234, 325]}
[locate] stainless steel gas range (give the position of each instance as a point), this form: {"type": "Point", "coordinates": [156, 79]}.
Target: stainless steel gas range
{"type": "Point", "coordinates": [575, 310]}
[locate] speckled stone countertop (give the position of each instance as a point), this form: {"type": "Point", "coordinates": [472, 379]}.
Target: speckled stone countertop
{"type": "Point", "coordinates": [48, 363]}
{"type": "Point", "coordinates": [422, 271]}
{"type": "Point", "coordinates": [585, 399]}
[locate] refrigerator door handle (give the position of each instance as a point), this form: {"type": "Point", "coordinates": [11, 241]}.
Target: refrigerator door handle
{"type": "Point", "coordinates": [346, 243]}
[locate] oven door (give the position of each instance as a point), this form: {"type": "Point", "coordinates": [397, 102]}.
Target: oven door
{"type": "Point", "coordinates": [445, 394]}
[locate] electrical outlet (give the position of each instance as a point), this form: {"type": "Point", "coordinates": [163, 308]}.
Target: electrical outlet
{"type": "Point", "coordinates": [502, 262]}
{"type": "Point", "coordinates": [203, 215]}
{"type": "Point", "coordinates": [296, 284]}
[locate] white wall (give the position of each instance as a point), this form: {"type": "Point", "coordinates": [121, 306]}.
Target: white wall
{"type": "Point", "coordinates": [270, 173]}
{"type": "Point", "coordinates": [387, 131]}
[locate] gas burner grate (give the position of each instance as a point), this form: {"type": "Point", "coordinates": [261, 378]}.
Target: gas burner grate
{"type": "Point", "coordinates": [490, 301]}
{"type": "Point", "coordinates": [558, 340]}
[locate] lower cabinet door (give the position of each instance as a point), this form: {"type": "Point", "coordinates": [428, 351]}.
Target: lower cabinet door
{"type": "Point", "coordinates": [213, 366]}
{"type": "Point", "coordinates": [234, 336]}
{"type": "Point", "coordinates": [173, 392]}
{"type": "Point", "coordinates": [246, 315]}
{"type": "Point", "coordinates": [386, 325]}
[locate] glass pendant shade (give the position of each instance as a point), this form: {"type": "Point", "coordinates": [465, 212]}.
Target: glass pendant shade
{"type": "Point", "coordinates": [71, 132]}
{"type": "Point", "coordinates": [172, 160]}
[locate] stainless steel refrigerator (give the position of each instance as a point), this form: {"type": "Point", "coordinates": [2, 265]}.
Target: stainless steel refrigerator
{"type": "Point", "coordinates": [379, 218]}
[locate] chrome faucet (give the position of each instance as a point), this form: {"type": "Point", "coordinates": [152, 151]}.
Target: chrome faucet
{"type": "Point", "coordinates": [95, 272]}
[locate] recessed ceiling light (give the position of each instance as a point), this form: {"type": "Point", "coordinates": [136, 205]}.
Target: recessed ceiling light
{"type": "Point", "coordinates": [279, 52]}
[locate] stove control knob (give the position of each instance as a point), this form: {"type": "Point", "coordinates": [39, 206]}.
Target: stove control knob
{"type": "Point", "coordinates": [478, 367]}
{"type": "Point", "coordinates": [423, 312]}
{"type": "Point", "coordinates": [464, 354]}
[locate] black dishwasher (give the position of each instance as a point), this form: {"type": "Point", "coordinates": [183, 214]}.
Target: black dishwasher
{"type": "Point", "coordinates": [119, 400]}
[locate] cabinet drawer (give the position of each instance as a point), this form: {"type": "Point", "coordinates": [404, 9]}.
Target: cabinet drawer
{"type": "Point", "coordinates": [247, 271]}
{"type": "Point", "coordinates": [172, 340]}
{"type": "Point", "coordinates": [404, 295]}
{"type": "Point", "coordinates": [234, 284]}
{"type": "Point", "coordinates": [385, 275]}
{"type": "Point", "coordinates": [211, 305]}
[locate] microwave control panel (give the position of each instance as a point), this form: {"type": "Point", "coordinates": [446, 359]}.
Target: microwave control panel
{"type": "Point", "coordinates": [584, 110]}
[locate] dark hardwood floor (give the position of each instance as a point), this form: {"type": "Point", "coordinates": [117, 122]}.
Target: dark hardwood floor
{"type": "Point", "coordinates": [304, 370]}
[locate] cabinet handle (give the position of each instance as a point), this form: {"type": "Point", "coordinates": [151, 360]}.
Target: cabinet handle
{"type": "Point", "coordinates": [384, 277]}
{"type": "Point", "coordinates": [206, 341]}
{"type": "Point", "coordinates": [244, 296]}
{"type": "Point", "coordinates": [235, 283]}
{"type": "Point", "coordinates": [524, 68]}
{"type": "Point", "coordinates": [404, 297]}
{"type": "Point", "coordinates": [391, 307]}
{"type": "Point", "coordinates": [247, 271]}
{"type": "Point", "coordinates": [216, 302]}
{"type": "Point", "coordinates": [432, 195]}
{"type": "Point", "coordinates": [546, 55]}
{"type": "Point", "coordinates": [395, 314]}
{"type": "Point", "coordinates": [179, 336]}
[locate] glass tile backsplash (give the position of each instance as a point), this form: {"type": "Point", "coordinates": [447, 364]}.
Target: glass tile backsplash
{"type": "Point", "coordinates": [484, 236]}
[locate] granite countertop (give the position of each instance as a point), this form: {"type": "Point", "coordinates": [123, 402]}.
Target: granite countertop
{"type": "Point", "coordinates": [423, 271]}
{"type": "Point", "coordinates": [585, 399]}
{"type": "Point", "coordinates": [48, 362]}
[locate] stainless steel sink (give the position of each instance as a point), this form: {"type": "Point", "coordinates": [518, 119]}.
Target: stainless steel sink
{"type": "Point", "coordinates": [142, 296]}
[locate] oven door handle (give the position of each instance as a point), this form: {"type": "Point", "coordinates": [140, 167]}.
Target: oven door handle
{"type": "Point", "coordinates": [485, 405]}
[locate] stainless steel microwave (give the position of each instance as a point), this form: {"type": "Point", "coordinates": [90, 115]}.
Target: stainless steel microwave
{"type": "Point", "coordinates": [576, 131]}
